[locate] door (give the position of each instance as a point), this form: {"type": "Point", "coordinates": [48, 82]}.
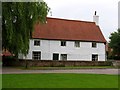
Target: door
{"type": "Point", "coordinates": [55, 56]}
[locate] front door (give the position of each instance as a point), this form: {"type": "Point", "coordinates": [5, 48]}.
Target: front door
{"type": "Point", "coordinates": [55, 56]}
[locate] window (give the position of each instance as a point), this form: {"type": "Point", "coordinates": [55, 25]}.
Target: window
{"type": "Point", "coordinates": [63, 57]}
{"type": "Point", "coordinates": [55, 56]}
{"type": "Point", "coordinates": [77, 44]}
{"type": "Point", "coordinates": [94, 44]}
{"type": "Point", "coordinates": [36, 55]}
{"type": "Point", "coordinates": [36, 42]}
{"type": "Point", "coordinates": [94, 57]}
{"type": "Point", "coordinates": [63, 43]}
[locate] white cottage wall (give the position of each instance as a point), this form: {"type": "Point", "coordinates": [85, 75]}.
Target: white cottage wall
{"type": "Point", "coordinates": [82, 53]}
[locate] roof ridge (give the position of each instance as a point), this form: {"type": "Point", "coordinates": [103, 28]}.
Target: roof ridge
{"type": "Point", "coordinates": [70, 20]}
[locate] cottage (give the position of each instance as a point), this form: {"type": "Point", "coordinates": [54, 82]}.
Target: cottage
{"type": "Point", "coordinates": [72, 40]}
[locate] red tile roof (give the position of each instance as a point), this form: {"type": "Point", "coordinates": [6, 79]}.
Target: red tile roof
{"type": "Point", "coordinates": [62, 29]}
{"type": "Point", "coordinates": [6, 53]}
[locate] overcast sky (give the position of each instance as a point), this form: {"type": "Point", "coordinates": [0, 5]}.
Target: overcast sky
{"type": "Point", "coordinates": [84, 10]}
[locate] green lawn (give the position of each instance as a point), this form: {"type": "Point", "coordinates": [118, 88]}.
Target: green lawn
{"type": "Point", "coordinates": [59, 81]}
{"type": "Point", "coordinates": [0, 81]}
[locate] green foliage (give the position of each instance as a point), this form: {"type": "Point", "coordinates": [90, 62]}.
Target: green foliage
{"type": "Point", "coordinates": [115, 43]}
{"type": "Point", "coordinates": [18, 19]}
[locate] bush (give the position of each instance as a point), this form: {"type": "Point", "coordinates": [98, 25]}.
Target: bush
{"type": "Point", "coordinates": [7, 60]}
{"type": "Point", "coordinates": [114, 57]}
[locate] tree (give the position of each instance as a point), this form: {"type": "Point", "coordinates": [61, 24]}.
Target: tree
{"type": "Point", "coordinates": [18, 19]}
{"type": "Point", "coordinates": [115, 43]}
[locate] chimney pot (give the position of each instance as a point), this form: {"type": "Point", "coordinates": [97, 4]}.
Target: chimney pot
{"type": "Point", "coordinates": [95, 12]}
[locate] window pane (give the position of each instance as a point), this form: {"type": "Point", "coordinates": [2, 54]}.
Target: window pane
{"type": "Point", "coordinates": [63, 43]}
{"type": "Point", "coordinates": [77, 44]}
{"type": "Point", "coordinates": [94, 57]}
{"type": "Point", "coordinates": [63, 56]}
{"type": "Point", "coordinates": [36, 55]}
{"type": "Point", "coordinates": [94, 44]}
{"type": "Point", "coordinates": [36, 42]}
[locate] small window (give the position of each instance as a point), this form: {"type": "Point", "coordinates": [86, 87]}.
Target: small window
{"type": "Point", "coordinates": [63, 43]}
{"type": "Point", "coordinates": [36, 42]}
{"type": "Point", "coordinates": [77, 44]}
{"type": "Point", "coordinates": [94, 57]}
{"type": "Point", "coordinates": [94, 44]}
{"type": "Point", "coordinates": [36, 55]}
{"type": "Point", "coordinates": [64, 57]}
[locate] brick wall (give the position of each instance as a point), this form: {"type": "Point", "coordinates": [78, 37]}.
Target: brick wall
{"type": "Point", "coordinates": [116, 63]}
{"type": "Point", "coordinates": [50, 63]}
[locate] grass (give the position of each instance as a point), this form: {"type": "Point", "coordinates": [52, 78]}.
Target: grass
{"type": "Point", "coordinates": [0, 81]}
{"type": "Point", "coordinates": [59, 81]}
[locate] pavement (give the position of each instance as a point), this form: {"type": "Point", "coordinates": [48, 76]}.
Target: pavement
{"type": "Point", "coordinates": [8, 70]}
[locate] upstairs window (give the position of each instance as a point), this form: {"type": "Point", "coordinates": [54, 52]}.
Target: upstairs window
{"type": "Point", "coordinates": [36, 42]}
{"type": "Point", "coordinates": [63, 43]}
{"type": "Point", "coordinates": [94, 44]}
{"type": "Point", "coordinates": [77, 44]}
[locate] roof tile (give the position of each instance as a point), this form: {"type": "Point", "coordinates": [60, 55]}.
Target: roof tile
{"type": "Point", "coordinates": [62, 29]}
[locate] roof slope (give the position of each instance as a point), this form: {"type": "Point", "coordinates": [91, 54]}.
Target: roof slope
{"type": "Point", "coordinates": [62, 29]}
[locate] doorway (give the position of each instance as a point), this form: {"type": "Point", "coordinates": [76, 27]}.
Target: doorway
{"type": "Point", "coordinates": [55, 56]}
